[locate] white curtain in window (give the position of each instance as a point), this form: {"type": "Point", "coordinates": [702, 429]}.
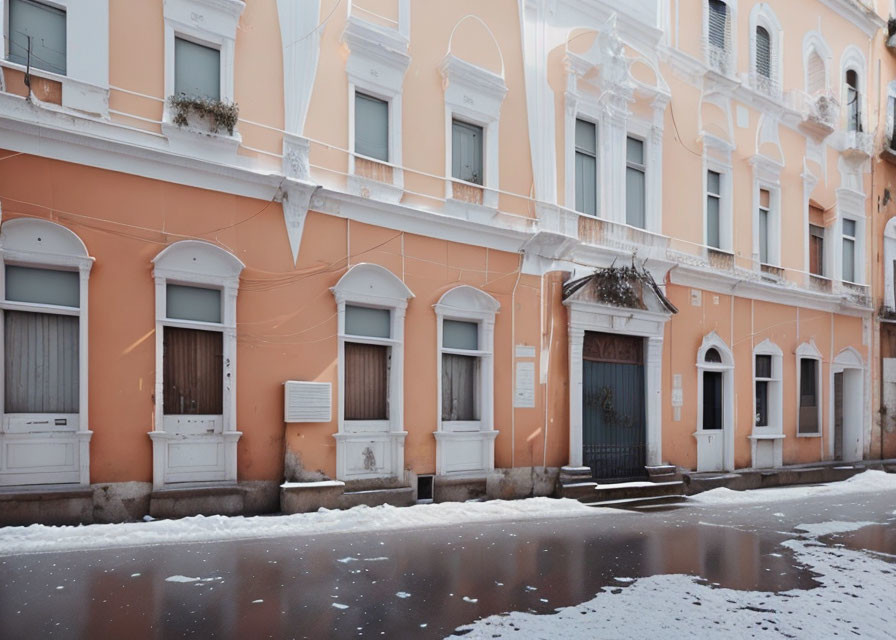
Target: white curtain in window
{"type": "Point", "coordinates": [41, 362]}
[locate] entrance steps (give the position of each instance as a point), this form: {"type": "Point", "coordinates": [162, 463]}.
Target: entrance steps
{"type": "Point", "coordinates": [577, 483]}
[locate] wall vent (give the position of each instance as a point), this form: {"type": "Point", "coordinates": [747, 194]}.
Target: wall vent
{"type": "Point", "coordinates": [307, 401]}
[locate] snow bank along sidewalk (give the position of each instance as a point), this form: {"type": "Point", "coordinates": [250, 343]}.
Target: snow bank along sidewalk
{"type": "Point", "coordinates": [39, 538]}
{"type": "Point", "coordinates": [867, 482]}
{"type": "Point", "coordinates": [853, 600]}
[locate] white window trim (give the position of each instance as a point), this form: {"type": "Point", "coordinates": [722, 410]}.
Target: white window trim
{"type": "Point", "coordinates": [376, 66]}
{"type": "Point", "coordinates": [726, 367]}
{"type": "Point", "coordinates": [370, 285]}
{"type": "Point", "coordinates": [85, 85]}
{"type": "Point", "coordinates": [588, 112]}
{"type": "Point", "coordinates": [814, 41]}
{"type": "Point", "coordinates": [717, 157]}
{"type": "Point", "coordinates": [767, 176]}
{"type": "Point", "coordinates": [197, 263]}
{"type": "Point", "coordinates": [808, 351]}
{"type": "Point", "coordinates": [39, 243]}
{"type": "Point", "coordinates": [643, 132]}
{"type": "Point", "coordinates": [853, 59]}
{"type": "Point", "coordinates": [762, 16]}
{"type": "Point", "coordinates": [468, 304]}
{"type": "Point", "coordinates": [775, 389]}
{"type": "Point", "coordinates": [889, 263]}
{"type": "Point", "coordinates": [474, 95]}
{"type": "Point", "coordinates": [731, 67]}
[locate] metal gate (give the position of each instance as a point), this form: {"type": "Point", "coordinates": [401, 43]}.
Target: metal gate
{"type": "Point", "coordinates": [613, 416]}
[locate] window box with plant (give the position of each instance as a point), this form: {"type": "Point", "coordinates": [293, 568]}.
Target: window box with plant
{"type": "Point", "coordinates": [203, 113]}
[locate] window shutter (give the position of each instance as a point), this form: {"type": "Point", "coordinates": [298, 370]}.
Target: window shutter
{"type": "Point", "coordinates": [815, 73]}
{"type": "Point", "coordinates": [193, 371]}
{"type": "Point", "coordinates": [371, 127]}
{"type": "Point", "coordinates": [466, 152]}
{"type": "Point", "coordinates": [763, 52]}
{"type": "Point", "coordinates": [46, 27]}
{"type": "Point", "coordinates": [41, 362]}
{"type": "Point", "coordinates": [586, 167]}
{"type": "Point", "coordinates": [366, 381]}
{"type": "Point", "coordinates": [718, 24]}
{"type": "Point", "coordinates": [458, 387]}
{"type": "Point", "coordinates": [197, 70]}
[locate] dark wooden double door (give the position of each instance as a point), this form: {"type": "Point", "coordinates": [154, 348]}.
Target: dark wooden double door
{"type": "Point", "coordinates": [613, 415]}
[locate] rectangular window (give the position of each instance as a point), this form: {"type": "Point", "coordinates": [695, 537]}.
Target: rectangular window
{"type": "Point", "coordinates": [713, 208]}
{"type": "Point", "coordinates": [40, 27]}
{"type": "Point", "coordinates": [197, 70]}
{"type": "Point", "coordinates": [41, 362]}
{"type": "Point", "coordinates": [635, 183]}
{"type": "Point", "coordinates": [849, 250]}
{"type": "Point", "coordinates": [364, 321]}
{"type": "Point", "coordinates": [764, 205]}
{"type": "Point", "coordinates": [366, 381]}
{"type": "Point", "coordinates": [808, 418]}
{"type": "Point", "coordinates": [712, 400]}
{"type": "Point", "coordinates": [816, 250]}
{"type": "Point", "coordinates": [718, 24]}
{"type": "Point", "coordinates": [371, 127]}
{"type": "Point", "coordinates": [763, 379]}
{"type": "Point", "coordinates": [192, 303]}
{"type": "Point", "coordinates": [42, 286]}
{"type": "Point", "coordinates": [193, 371]}
{"type": "Point", "coordinates": [586, 167]}
{"type": "Point", "coordinates": [466, 152]}
{"type": "Point", "coordinates": [460, 372]}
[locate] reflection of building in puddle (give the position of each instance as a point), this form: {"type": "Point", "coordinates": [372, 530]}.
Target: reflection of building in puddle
{"type": "Point", "coordinates": [880, 538]}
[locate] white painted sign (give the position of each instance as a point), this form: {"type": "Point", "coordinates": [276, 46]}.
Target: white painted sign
{"type": "Point", "coordinates": [524, 395]}
{"type": "Point", "coordinates": [525, 351]}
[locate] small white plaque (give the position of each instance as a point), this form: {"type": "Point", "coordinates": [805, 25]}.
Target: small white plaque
{"type": "Point", "coordinates": [524, 396]}
{"type": "Point", "coordinates": [306, 401]}
{"type": "Point", "coordinates": [525, 351]}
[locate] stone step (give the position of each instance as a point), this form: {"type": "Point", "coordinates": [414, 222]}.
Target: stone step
{"type": "Point", "coordinates": [663, 473]}
{"type": "Point", "coordinates": [592, 492]}
{"type": "Point", "coordinates": [656, 502]}
{"type": "Point", "coordinates": [399, 497]}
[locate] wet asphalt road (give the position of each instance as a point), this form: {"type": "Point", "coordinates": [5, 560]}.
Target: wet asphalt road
{"type": "Point", "coordinates": [411, 584]}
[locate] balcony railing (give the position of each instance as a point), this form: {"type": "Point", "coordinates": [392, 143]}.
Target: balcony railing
{"type": "Point", "coordinates": [765, 85]}
{"type": "Point", "coordinates": [719, 59]}
{"type": "Point", "coordinates": [819, 113]}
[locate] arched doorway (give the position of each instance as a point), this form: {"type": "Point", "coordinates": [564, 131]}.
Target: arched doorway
{"type": "Point", "coordinates": [848, 402]}
{"type": "Point", "coordinates": [715, 406]}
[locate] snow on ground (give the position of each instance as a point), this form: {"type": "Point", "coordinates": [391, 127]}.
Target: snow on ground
{"type": "Point", "coordinates": [869, 481]}
{"type": "Point", "coordinates": [854, 599]}
{"type": "Point", "coordinates": [40, 538]}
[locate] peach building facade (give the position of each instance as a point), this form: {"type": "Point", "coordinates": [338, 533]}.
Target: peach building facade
{"type": "Point", "coordinates": [439, 250]}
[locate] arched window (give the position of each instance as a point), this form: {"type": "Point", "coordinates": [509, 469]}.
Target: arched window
{"type": "Point", "coordinates": [816, 75]}
{"type": "Point", "coordinates": [718, 35]}
{"type": "Point", "coordinates": [715, 405]}
{"type": "Point", "coordinates": [763, 52]}
{"type": "Point", "coordinates": [44, 438]}
{"type": "Point", "coordinates": [712, 355]}
{"type": "Point", "coordinates": [195, 434]}
{"type": "Point", "coordinates": [853, 101]}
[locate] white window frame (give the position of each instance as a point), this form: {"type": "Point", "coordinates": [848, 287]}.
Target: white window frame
{"type": "Point", "coordinates": [199, 264]}
{"type": "Point", "coordinates": [808, 351]}
{"type": "Point", "coordinates": [370, 285]}
{"type": "Point", "coordinates": [889, 251]}
{"type": "Point", "coordinates": [726, 368]}
{"type": "Point", "coordinates": [767, 176]}
{"type": "Point", "coordinates": [376, 66]}
{"type": "Point", "coordinates": [731, 49]}
{"type": "Point", "coordinates": [85, 85]}
{"type": "Point", "coordinates": [645, 169]}
{"type": "Point", "coordinates": [853, 59]}
{"type": "Point", "coordinates": [856, 249]}
{"type": "Point", "coordinates": [815, 42]}
{"type": "Point", "coordinates": [453, 438]}
{"type": "Point", "coordinates": [775, 424]}
{"type": "Point", "coordinates": [474, 95]}
{"type": "Point", "coordinates": [571, 163]}
{"type": "Point", "coordinates": [42, 244]}
{"type": "Point", "coordinates": [762, 16]}
{"type": "Point", "coordinates": [717, 157]}
{"type": "Point", "coordinates": [209, 24]}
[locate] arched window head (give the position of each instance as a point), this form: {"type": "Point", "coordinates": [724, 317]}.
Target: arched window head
{"type": "Point", "coordinates": [763, 52]}
{"type": "Point", "coordinates": [815, 74]}
{"type": "Point", "coordinates": [713, 355]}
